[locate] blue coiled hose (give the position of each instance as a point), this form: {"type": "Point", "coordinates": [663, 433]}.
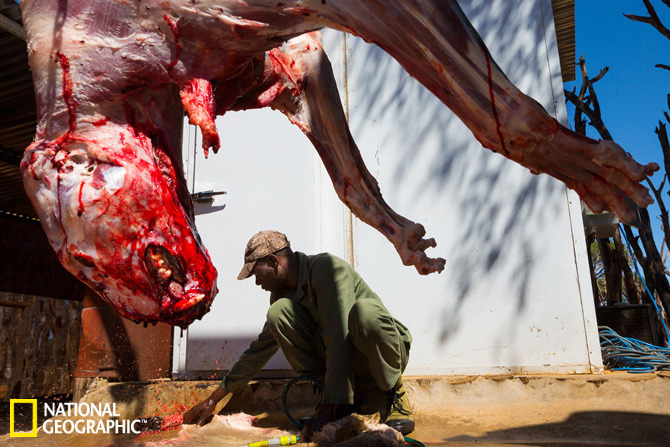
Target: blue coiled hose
{"type": "Point", "coordinates": [628, 354]}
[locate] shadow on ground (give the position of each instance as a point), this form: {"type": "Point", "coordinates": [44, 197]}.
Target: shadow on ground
{"type": "Point", "coordinates": [590, 428]}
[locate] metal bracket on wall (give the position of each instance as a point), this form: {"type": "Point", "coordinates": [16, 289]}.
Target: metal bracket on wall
{"type": "Point", "coordinates": [206, 196]}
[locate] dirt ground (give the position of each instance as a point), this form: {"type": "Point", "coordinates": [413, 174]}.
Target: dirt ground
{"type": "Point", "coordinates": [531, 411]}
{"type": "Point", "coordinates": [594, 429]}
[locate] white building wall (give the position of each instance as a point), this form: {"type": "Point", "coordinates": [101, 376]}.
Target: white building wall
{"type": "Point", "coordinates": [515, 294]}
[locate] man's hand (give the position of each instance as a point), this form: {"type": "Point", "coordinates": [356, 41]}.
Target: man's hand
{"type": "Point", "coordinates": [202, 412]}
{"type": "Point", "coordinates": [327, 413]}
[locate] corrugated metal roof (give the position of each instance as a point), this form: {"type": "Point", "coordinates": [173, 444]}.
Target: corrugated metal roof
{"type": "Point", "coordinates": [564, 19]}
{"type": "Point", "coordinates": [17, 116]}
{"type": "Point", "coordinates": [17, 100]}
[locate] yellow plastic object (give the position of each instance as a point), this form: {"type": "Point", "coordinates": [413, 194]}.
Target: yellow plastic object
{"type": "Point", "coordinates": [284, 440]}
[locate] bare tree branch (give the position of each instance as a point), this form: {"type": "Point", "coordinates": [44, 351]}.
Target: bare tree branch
{"type": "Point", "coordinates": [628, 278]}
{"type": "Point", "coordinates": [664, 254]}
{"type": "Point", "coordinates": [653, 18]}
{"type": "Point", "coordinates": [580, 123]}
{"type": "Point", "coordinates": [667, 67]}
{"type": "Point", "coordinates": [642, 19]}
{"type": "Point", "coordinates": [665, 225]}
{"type": "Point", "coordinates": [595, 105]}
{"type": "Point", "coordinates": [641, 258]}
{"type": "Point", "coordinates": [602, 73]}
{"type": "Point", "coordinates": [595, 120]}
{"type": "Point", "coordinates": [580, 108]}
{"type": "Point", "coordinates": [650, 259]}
{"type": "Point", "coordinates": [597, 296]}
{"type": "Point", "coordinates": [613, 272]}
{"type": "Point", "coordinates": [662, 134]}
{"type": "Point", "coordinates": [582, 103]}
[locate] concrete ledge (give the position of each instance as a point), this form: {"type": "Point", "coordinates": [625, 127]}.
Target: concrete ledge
{"type": "Point", "coordinates": [558, 395]}
{"type": "Point", "coordinates": [609, 390]}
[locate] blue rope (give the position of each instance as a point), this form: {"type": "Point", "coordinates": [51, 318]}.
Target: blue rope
{"type": "Point", "coordinates": [628, 354]}
{"type": "Point", "coordinates": [651, 297]}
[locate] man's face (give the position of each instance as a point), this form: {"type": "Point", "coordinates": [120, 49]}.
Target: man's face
{"type": "Point", "coordinates": [270, 274]}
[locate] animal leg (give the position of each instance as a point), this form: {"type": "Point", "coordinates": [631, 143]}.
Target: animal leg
{"type": "Point", "coordinates": [298, 80]}
{"type": "Point", "coordinates": [434, 41]}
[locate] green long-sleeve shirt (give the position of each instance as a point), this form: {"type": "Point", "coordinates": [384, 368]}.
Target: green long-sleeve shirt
{"type": "Point", "coordinates": [327, 288]}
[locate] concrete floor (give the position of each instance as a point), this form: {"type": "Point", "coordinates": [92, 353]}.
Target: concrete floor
{"type": "Point", "coordinates": [581, 410]}
{"type": "Point", "coordinates": [611, 409]}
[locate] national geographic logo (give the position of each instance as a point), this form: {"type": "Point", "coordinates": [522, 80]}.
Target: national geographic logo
{"type": "Point", "coordinates": [67, 418]}
{"type": "Point", "coordinates": [33, 432]}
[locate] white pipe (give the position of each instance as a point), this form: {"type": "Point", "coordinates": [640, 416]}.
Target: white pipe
{"type": "Point", "coordinates": [11, 26]}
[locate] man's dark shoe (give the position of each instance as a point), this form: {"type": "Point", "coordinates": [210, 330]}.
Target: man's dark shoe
{"type": "Point", "coordinates": [400, 416]}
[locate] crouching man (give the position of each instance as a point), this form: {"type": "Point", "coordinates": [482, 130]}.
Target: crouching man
{"type": "Point", "coordinates": [329, 324]}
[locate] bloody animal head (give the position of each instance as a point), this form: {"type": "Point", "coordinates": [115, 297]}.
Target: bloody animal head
{"type": "Point", "coordinates": [120, 217]}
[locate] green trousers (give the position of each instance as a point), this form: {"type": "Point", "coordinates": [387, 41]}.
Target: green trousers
{"type": "Point", "coordinates": [380, 344]}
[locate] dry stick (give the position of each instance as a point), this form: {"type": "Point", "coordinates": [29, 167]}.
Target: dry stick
{"type": "Point", "coordinates": [653, 18]}
{"type": "Point", "coordinates": [664, 255]}
{"type": "Point", "coordinates": [647, 267]}
{"type": "Point", "coordinates": [652, 262]}
{"type": "Point", "coordinates": [612, 263]}
{"type": "Point", "coordinates": [661, 205]}
{"type": "Point", "coordinates": [662, 134]}
{"type": "Point", "coordinates": [581, 127]}
{"type": "Point", "coordinates": [580, 123]}
{"type": "Point", "coordinates": [612, 271]}
{"type": "Point", "coordinates": [595, 104]}
{"type": "Point", "coordinates": [639, 255]}
{"type": "Point", "coordinates": [590, 238]}
{"type": "Point", "coordinates": [628, 278]}
{"type": "Point", "coordinates": [592, 114]}
{"type": "Point", "coordinates": [655, 262]}
{"type": "Point", "coordinates": [655, 21]}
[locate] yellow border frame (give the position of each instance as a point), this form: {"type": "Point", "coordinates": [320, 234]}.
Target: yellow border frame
{"type": "Point", "coordinates": [33, 433]}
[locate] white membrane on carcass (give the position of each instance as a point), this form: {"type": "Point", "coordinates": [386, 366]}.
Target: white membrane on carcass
{"type": "Point", "coordinates": [114, 176]}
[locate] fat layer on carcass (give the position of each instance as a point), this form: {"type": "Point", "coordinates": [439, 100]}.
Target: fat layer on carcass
{"type": "Point", "coordinates": [114, 77]}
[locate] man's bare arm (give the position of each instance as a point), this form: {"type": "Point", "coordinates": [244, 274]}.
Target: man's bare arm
{"type": "Point", "coordinates": [203, 411]}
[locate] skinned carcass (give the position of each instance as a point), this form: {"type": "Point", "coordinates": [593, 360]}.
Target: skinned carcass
{"type": "Point", "coordinates": [114, 77]}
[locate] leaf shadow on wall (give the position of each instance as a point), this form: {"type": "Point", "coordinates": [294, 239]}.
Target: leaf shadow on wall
{"type": "Point", "coordinates": [491, 199]}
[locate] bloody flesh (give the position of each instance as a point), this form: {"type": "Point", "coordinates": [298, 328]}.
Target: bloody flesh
{"type": "Point", "coordinates": [113, 80]}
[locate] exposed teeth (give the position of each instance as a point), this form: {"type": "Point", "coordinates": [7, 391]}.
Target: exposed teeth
{"type": "Point", "coordinates": [163, 265]}
{"type": "Point", "coordinates": [183, 305]}
{"type": "Point", "coordinates": [158, 261]}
